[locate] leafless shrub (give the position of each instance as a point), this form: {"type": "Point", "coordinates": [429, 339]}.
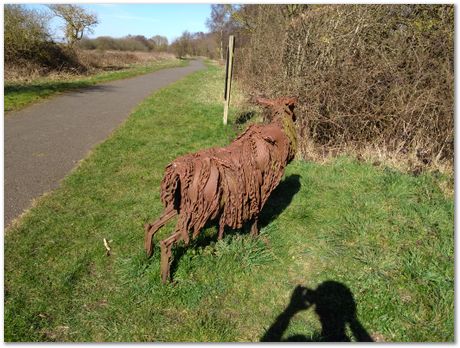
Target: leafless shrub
{"type": "Point", "coordinates": [26, 32]}
{"type": "Point", "coordinates": [367, 76]}
{"type": "Point", "coordinates": [28, 46]}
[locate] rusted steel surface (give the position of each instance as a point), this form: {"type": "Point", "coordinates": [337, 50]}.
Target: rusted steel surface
{"type": "Point", "coordinates": [229, 184]}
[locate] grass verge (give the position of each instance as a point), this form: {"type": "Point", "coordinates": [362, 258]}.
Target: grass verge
{"type": "Point", "coordinates": [19, 95]}
{"type": "Point", "coordinates": [374, 245]}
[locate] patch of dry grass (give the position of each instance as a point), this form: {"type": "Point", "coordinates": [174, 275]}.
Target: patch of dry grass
{"type": "Point", "coordinates": [92, 62]}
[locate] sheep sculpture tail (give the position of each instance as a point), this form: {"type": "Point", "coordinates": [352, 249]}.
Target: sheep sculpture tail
{"type": "Point", "coordinates": [187, 184]}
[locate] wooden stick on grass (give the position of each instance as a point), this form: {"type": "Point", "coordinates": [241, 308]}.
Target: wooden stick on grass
{"type": "Point", "coordinates": [106, 244]}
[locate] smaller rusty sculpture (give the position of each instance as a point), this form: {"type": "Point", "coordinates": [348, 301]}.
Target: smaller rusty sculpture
{"type": "Point", "coordinates": [230, 184]}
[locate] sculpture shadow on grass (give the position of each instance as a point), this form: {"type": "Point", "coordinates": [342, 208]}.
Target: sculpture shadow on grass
{"type": "Point", "coordinates": [336, 308]}
{"type": "Point", "coordinates": [278, 201]}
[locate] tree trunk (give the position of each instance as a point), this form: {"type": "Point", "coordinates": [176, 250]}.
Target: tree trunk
{"type": "Point", "coordinates": [221, 45]}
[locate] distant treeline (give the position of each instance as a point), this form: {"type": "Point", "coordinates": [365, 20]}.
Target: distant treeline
{"type": "Point", "coordinates": [196, 44]}
{"type": "Point", "coordinates": [188, 44]}
{"type": "Point", "coordinates": [156, 43]}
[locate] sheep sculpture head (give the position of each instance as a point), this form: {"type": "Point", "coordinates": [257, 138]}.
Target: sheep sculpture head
{"type": "Point", "coordinates": [282, 112]}
{"type": "Point", "coordinates": [229, 184]}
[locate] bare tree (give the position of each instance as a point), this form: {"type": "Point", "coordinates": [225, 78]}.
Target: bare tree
{"type": "Point", "coordinates": [77, 21]}
{"type": "Point", "coordinates": [183, 45]}
{"type": "Point", "coordinates": [218, 22]}
{"type": "Point", "coordinates": [160, 43]}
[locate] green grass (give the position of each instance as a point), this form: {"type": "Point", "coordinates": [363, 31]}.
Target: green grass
{"type": "Point", "coordinates": [19, 95]}
{"type": "Point", "coordinates": [384, 236]}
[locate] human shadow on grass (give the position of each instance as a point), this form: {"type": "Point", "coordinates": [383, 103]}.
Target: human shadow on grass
{"type": "Point", "coordinates": [278, 201]}
{"type": "Point", "coordinates": [335, 307]}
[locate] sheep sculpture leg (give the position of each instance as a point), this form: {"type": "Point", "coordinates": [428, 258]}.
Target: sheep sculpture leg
{"type": "Point", "coordinates": [221, 231]}
{"type": "Point", "coordinates": [151, 229]}
{"type": "Point", "coordinates": [255, 227]}
{"type": "Point", "coordinates": [166, 246]}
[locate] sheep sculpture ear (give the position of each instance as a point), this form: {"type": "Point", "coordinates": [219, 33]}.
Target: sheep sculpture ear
{"type": "Point", "coordinates": [291, 101]}
{"type": "Point", "coordinates": [269, 139]}
{"type": "Point", "coordinates": [264, 101]}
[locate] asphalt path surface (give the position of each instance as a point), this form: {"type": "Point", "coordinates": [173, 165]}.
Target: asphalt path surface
{"type": "Point", "coordinates": [44, 142]}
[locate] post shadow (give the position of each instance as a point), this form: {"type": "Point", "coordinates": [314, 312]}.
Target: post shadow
{"type": "Point", "coordinates": [335, 307]}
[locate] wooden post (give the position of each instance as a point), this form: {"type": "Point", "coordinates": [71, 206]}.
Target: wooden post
{"type": "Point", "coordinates": [228, 76]}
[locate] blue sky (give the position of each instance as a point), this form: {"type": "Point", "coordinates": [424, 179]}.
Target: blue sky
{"type": "Point", "coordinates": [119, 20]}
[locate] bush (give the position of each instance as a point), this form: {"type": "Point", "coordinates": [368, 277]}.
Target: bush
{"type": "Point", "coordinates": [365, 75]}
{"type": "Point", "coordinates": [26, 33]}
{"type": "Point", "coordinates": [28, 45]}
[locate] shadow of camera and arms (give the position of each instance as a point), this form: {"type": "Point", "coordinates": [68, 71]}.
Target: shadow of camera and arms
{"type": "Point", "coordinates": [335, 307]}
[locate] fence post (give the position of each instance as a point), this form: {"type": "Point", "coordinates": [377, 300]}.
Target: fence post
{"type": "Point", "coordinates": [228, 76]}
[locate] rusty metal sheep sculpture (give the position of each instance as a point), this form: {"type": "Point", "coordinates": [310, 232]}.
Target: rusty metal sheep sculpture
{"type": "Point", "coordinates": [229, 184]}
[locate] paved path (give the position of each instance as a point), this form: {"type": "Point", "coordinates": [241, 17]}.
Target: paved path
{"type": "Point", "coordinates": [45, 141]}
